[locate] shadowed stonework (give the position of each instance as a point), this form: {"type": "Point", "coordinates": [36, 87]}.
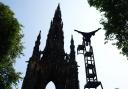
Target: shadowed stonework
{"type": "Point", "coordinates": [52, 64]}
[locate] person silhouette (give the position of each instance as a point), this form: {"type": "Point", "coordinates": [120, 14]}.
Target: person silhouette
{"type": "Point", "coordinates": [87, 36]}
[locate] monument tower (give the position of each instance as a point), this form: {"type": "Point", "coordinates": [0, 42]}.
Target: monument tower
{"type": "Point", "coordinates": [52, 64]}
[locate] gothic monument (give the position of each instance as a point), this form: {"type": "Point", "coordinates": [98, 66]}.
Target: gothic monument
{"type": "Point", "coordinates": [52, 64]}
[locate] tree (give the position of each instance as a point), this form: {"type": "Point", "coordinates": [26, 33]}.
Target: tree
{"type": "Point", "coordinates": [10, 47]}
{"type": "Point", "coordinates": [115, 22]}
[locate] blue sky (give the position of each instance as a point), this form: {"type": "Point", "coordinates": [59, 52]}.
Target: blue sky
{"type": "Point", "coordinates": [35, 15]}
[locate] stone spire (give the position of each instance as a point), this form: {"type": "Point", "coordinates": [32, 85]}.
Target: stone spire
{"type": "Point", "coordinates": [36, 51]}
{"type": "Point", "coordinates": [32, 67]}
{"type": "Point", "coordinates": [52, 66]}
{"type": "Point", "coordinates": [55, 39]}
{"type": "Point", "coordinates": [72, 50]}
{"type": "Point", "coordinates": [57, 16]}
{"type": "Point", "coordinates": [73, 67]}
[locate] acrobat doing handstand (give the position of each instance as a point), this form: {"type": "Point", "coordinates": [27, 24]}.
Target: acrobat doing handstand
{"type": "Point", "coordinates": [87, 36]}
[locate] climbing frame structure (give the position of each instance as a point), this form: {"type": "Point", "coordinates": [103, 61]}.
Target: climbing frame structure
{"type": "Point", "coordinates": [90, 69]}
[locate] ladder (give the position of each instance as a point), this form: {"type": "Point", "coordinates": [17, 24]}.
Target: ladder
{"type": "Point", "coordinates": [90, 68]}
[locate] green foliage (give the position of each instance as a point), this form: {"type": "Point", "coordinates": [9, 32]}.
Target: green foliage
{"type": "Point", "coordinates": [10, 47]}
{"type": "Point", "coordinates": [115, 22]}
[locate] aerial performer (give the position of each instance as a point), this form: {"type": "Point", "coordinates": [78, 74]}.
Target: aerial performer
{"type": "Point", "coordinates": [87, 36]}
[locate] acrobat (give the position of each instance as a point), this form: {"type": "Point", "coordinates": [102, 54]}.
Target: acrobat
{"type": "Point", "coordinates": [87, 36]}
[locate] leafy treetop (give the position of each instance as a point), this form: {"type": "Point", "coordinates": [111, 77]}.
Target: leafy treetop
{"type": "Point", "coordinates": [10, 47]}
{"type": "Point", "coordinates": [115, 22]}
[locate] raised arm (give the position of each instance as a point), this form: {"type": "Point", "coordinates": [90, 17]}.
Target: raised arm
{"type": "Point", "coordinates": [93, 32]}
{"type": "Point", "coordinates": [79, 32]}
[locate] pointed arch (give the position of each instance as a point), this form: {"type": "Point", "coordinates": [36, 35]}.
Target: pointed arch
{"type": "Point", "coordinates": [50, 85]}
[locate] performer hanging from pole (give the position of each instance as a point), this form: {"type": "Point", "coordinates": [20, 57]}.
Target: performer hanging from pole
{"type": "Point", "coordinates": [87, 36]}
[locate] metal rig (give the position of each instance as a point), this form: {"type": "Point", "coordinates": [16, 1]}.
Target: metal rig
{"type": "Point", "coordinates": [90, 69]}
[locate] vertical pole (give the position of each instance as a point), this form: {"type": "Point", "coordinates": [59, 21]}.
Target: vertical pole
{"type": "Point", "coordinates": [101, 86]}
